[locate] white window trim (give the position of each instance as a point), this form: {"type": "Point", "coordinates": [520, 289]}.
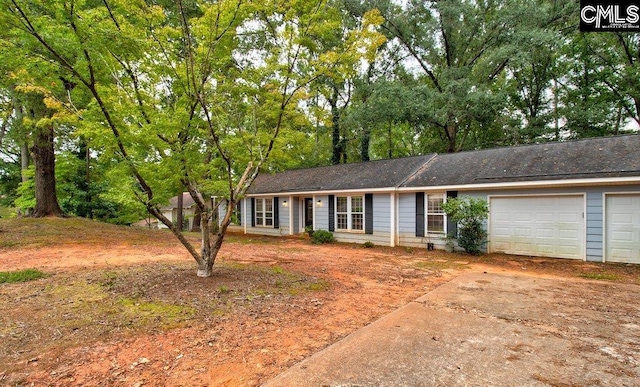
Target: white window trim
{"type": "Point", "coordinates": [349, 214]}
{"type": "Point", "coordinates": [427, 213]}
{"type": "Point", "coordinates": [264, 212]}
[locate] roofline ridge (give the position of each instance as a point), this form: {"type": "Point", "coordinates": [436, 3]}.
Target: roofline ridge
{"type": "Point", "coordinates": [548, 143]}
{"type": "Point", "coordinates": [354, 163]}
{"type": "Point", "coordinates": [424, 165]}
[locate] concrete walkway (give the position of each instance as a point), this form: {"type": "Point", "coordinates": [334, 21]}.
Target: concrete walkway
{"type": "Point", "coordinates": [488, 330]}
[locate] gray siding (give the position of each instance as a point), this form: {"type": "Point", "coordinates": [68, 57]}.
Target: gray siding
{"type": "Point", "coordinates": [406, 208]}
{"type": "Point", "coordinates": [407, 224]}
{"type": "Point", "coordinates": [407, 213]}
{"type": "Point", "coordinates": [283, 220]}
{"type": "Point", "coordinates": [594, 225]}
{"type": "Point", "coordinates": [295, 207]}
{"type": "Point", "coordinates": [377, 238]}
{"type": "Point", "coordinates": [321, 215]}
{"type": "Point", "coordinates": [381, 224]}
{"type": "Point", "coordinates": [382, 214]}
{"type": "Point", "coordinates": [594, 222]}
{"type": "Point", "coordinates": [284, 216]}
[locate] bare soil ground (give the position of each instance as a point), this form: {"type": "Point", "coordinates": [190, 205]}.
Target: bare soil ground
{"type": "Point", "coordinates": [123, 307]}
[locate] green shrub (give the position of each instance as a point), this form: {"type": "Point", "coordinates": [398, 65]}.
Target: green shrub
{"type": "Point", "coordinates": [21, 276]}
{"type": "Point", "coordinates": [309, 230]}
{"type": "Point", "coordinates": [322, 236]}
{"type": "Point", "coordinates": [368, 244]}
{"type": "Point", "coordinates": [469, 214]}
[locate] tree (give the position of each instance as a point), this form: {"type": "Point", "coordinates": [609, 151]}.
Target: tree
{"type": "Point", "coordinates": [469, 214]}
{"type": "Point", "coordinates": [459, 49]}
{"type": "Point", "coordinates": [600, 88]}
{"type": "Point", "coordinates": [198, 94]}
{"type": "Point", "coordinates": [33, 116]}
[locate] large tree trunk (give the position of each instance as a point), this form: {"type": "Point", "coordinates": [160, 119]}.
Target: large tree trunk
{"type": "Point", "coordinates": [210, 251]}
{"type": "Point", "coordinates": [364, 144]}
{"type": "Point", "coordinates": [337, 143]}
{"type": "Point", "coordinates": [451, 132]}
{"type": "Point", "coordinates": [45, 179]}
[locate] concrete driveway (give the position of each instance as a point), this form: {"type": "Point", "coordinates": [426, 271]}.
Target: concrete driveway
{"type": "Point", "coordinates": [486, 329]}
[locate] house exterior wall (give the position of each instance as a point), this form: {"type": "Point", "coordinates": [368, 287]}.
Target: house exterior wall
{"type": "Point", "coordinates": [596, 218]}
{"type": "Point", "coordinates": [283, 217]}
{"type": "Point", "coordinates": [595, 224]}
{"type": "Point", "coordinates": [407, 224]}
{"type": "Point", "coordinates": [222, 212]}
{"type": "Point", "coordinates": [405, 220]}
{"type": "Point", "coordinates": [295, 208]}
{"type": "Point", "coordinates": [381, 224]}
{"type": "Point", "coordinates": [172, 215]}
{"type": "Point", "coordinates": [594, 209]}
{"type": "Point", "coordinates": [321, 212]}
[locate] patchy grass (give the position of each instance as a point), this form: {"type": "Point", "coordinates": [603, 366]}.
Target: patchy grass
{"type": "Point", "coordinates": [70, 309]}
{"type": "Point", "coordinates": [21, 276]}
{"type": "Point", "coordinates": [252, 240]}
{"type": "Point", "coordinates": [600, 276]}
{"type": "Point", "coordinates": [19, 233]}
{"type": "Point", "coordinates": [155, 314]}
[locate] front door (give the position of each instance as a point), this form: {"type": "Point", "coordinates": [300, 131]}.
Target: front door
{"type": "Point", "coordinates": [308, 212]}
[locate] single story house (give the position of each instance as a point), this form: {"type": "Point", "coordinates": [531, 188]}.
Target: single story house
{"type": "Point", "coordinates": [575, 199]}
{"type": "Point", "coordinates": [190, 216]}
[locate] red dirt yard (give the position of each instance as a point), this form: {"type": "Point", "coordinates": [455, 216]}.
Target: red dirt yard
{"type": "Point", "coordinates": [123, 306]}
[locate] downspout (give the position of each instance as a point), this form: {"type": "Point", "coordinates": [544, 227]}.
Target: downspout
{"type": "Point", "coordinates": [244, 215]}
{"type": "Point", "coordinates": [393, 224]}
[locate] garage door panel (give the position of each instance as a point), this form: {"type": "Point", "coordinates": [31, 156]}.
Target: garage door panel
{"type": "Point", "coordinates": [568, 235]}
{"type": "Point", "coordinates": [522, 231]}
{"type": "Point", "coordinates": [622, 254]}
{"type": "Point", "coordinates": [621, 236]}
{"type": "Point", "coordinates": [622, 228]}
{"type": "Point", "coordinates": [551, 226]}
{"type": "Point", "coordinates": [523, 217]}
{"type": "Point", "coordinates": [622, 219]}
{"type": "Point", "coordinates": [545, 217]}
{"type": "Point", "coordinates": [545, 233]}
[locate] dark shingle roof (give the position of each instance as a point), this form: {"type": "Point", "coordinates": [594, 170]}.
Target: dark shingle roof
{"type": "Point", "coordinates": [365, 175]}
{"type": "Point", "coordinates": [580, 159]}
{"type": "Point", "coordinates": [589, 158]}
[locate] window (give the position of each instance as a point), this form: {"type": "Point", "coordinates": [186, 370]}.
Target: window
{"type": "Point", "coordinates": [435, 214]}
{"type": "Point", "coordinates": [357, 213]}
{"type": "Point", "coordinates": [349, 213]}
{"type": "Point", "coordinates": [264, 212]}
{"type": "Point", "coordinates": [342, 213]}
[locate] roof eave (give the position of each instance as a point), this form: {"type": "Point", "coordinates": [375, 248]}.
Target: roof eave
{"type": "Point", "coordinates": [528, 184]}
{"type": "Point", "coordinates": [325, 192]}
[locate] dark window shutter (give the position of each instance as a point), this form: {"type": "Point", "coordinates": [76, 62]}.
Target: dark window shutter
{"type": "Point", "coordinates": [368, 213]}
{"type": "Point", "coordinates": [253, 212]}
{"type": "Point", "coordinates": [276, 212]}
{"type": "Point", "coordinates": [419, 214]}
{"type": "Point", "coordinates": [452, 227]}
{"type": "Point", "coordinates": [332, 213]}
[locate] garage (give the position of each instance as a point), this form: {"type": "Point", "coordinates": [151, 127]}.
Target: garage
{"type": "Point", "coordinates": [544, 226]}
{"type": "Point", "coordinates": [622, 228]}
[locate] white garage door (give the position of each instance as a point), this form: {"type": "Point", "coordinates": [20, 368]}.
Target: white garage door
{"type": "Point", "coordinates": [623, 228]}
{"type": "Point", "coordinates": [543, 226]}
